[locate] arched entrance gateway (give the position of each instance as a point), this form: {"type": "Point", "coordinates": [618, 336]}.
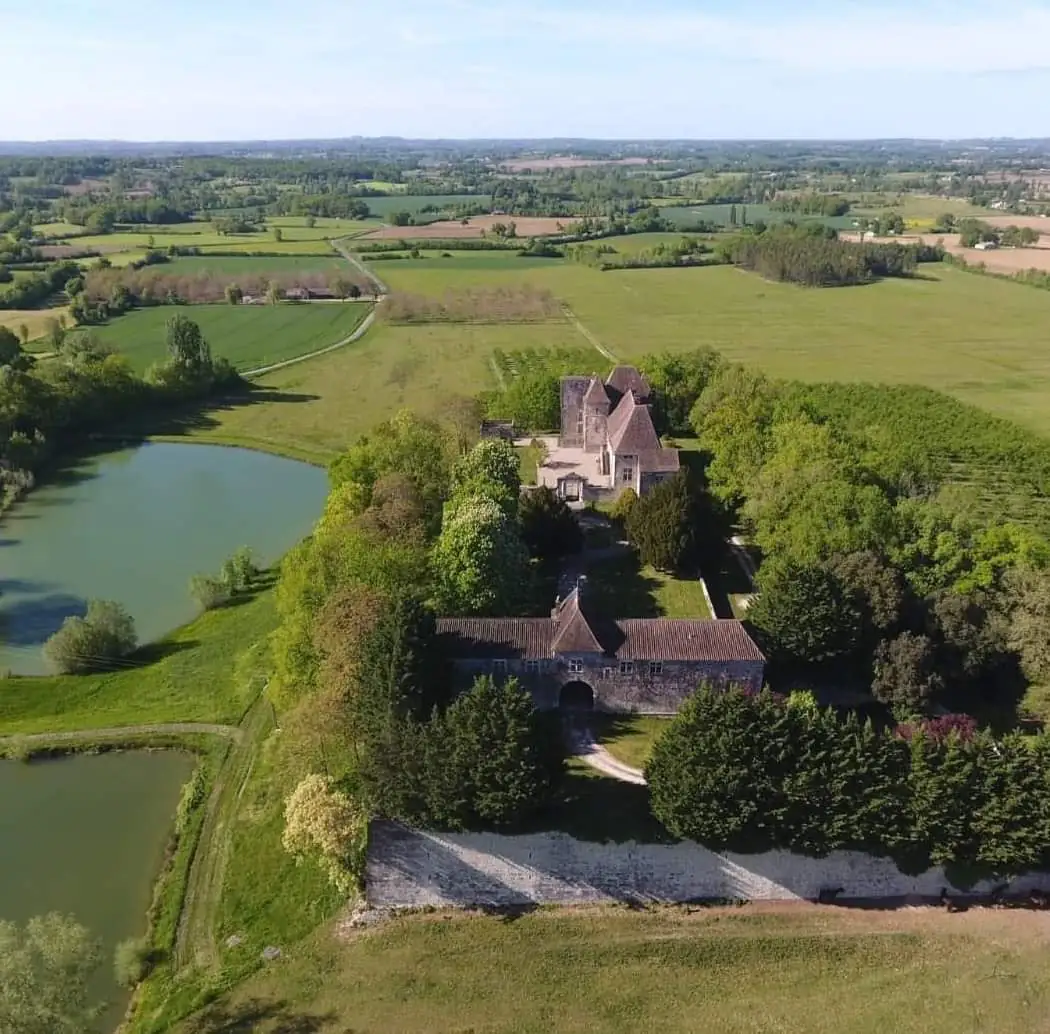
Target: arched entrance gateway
{"type": "Point", "coordinates": [576, 696]}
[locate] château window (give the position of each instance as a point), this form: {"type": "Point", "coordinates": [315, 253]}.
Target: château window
{"type": "Point", "coordinates": [656, 667]}
{"type": "Point", "coordinates": [628, 474]}
{"type": "Point", "coordinates": [626, 667]}
{"type": "Point", "coordinates": [575, 667]}
{"type": "Point", "coordinates": [607, 673]}
{"type": "Point", "coordinates": [532, 667]}
{"type": "Point", "coordinates": [499, 667]}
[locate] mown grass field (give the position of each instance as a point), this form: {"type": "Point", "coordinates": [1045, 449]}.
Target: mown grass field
{"type": "Point", "coordinates": [749, 970]}
{"type": "Point", "coordinates": [974, 337]}
{"type": "Point", "coordinates": [462, 261]}
{"type": "Point", "coordinates": [624, 588]}
{"type": "Point", "coordinates": [332, 400]}
{"type": "Point", "coordinates": [248, 336]}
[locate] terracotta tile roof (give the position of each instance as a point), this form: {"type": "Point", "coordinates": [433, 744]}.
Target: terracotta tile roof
{"type": "Point", "coordinates": [631, 429]}
{"type": "Point", "coordinates": [675, 639]}
{"type": "Point", "coordinates": [626, 379]}
{"type": "Point", "coordinates": [518, 638]}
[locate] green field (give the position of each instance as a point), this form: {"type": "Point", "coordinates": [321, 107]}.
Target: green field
{"type": "Point", "coordinates": [720, 214]}
{"type": "Point", "coordinates": [246, 265]}
{"type": "Point", "coordinates": [748, 970]}
{"type": "Point", "coordinates": [343, 395]}
{"type": "Point", "coordinates": [386, 206]}
{"type": "Point", "coordinates": [974, 337]}
{"type": "Point", "coordinates": [248, 335]}
{"type": "Point", "coordinates": [629, 737]}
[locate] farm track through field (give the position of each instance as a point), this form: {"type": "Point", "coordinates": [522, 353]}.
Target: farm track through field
{"type": "Point", "coordinates": [195, 940]}
{"type": "Point", "coordinates": [575, 321]}
{"type": "Point", "coordinates": [340, 246]}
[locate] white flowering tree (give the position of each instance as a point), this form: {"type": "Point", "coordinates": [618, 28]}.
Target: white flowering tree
{"type": "Point", "coordinates": [321, 821]}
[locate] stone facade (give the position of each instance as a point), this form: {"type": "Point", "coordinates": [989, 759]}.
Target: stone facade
{"type": "Point", "coordinates": [573, 659]}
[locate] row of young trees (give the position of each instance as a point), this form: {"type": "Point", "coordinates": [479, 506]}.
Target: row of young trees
{"type": "Point", "coordinates": [520, 304]}
{"type": "Point", "coordinates": [751, 773]}
{"type": "Point", "coordinates": [32, 291]}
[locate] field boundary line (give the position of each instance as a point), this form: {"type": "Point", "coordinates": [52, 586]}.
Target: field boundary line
{"type": "Point", "coordinates": [592, 338]}
{"type": "Point", "coordinates": [358, 333]}
{"type": "Point", "coordinates": [356, 262]}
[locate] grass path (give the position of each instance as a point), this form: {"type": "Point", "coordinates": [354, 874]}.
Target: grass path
{"type": "Point", "coordinates": [118, 732]}
{"type": "Point", "coordinates": [592, 338]}
{"type": "Point", "coordinates": [195, 942]}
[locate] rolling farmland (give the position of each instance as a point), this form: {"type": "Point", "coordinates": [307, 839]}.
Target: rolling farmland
{"type": "Point", "coordinates": [247, 335]}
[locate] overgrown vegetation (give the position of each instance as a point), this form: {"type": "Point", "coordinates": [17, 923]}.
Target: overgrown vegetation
{"type": "Point", "coordinates": [483, 305]}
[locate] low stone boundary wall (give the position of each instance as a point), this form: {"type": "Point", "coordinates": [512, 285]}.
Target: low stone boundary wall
{"type": "Point", "coordinates": [410, 868]}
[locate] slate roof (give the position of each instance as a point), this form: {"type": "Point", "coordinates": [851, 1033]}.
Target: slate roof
{"type": "Point", "coordinates": [631, 429]}
{"type": "Point", "coordinates": [659, 461]}
{"type": "Point", "coordinates": [625, 380]}
{"type": "Point", "coordinates": [596, 395]}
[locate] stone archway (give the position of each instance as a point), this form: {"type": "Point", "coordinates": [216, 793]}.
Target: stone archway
{"type": "Point", "coordinates": [576, 696]}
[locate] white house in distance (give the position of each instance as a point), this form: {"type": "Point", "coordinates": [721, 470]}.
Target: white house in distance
{"type": "Point", "coordinates": [607, 441]}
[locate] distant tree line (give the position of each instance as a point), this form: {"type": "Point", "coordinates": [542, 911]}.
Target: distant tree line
{"type": "Point", "coordinates": [811, 204]}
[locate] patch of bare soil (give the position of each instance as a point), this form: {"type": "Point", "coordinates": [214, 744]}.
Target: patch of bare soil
{"type": "Point", "coordinates": [473, 228]}
{"type": "Point", "coordinates": [998, 260]}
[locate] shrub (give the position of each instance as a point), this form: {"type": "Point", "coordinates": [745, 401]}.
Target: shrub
{"type": "Point", "coordinates": [94, 642]}
{"type": "Point", "coordinates": [624, 504]}
{"type": "Point", "coordinates": [209, 593]}
{"type": "Point", "coordinates": [191, 798]}
{"type": "Point", "coordinates": [240, 571]}
{"type": "Point", "coordinates": [131, 962]}
{"type": "Point", "coordinates": [663, 524]}
{"type": "Point", "coordinates": [548, 527]}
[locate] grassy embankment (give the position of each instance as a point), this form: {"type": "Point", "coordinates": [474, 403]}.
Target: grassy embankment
{"type": "Point", "coordinates": [729, 971]}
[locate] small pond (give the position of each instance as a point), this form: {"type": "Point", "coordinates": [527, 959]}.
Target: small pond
{"type": "Point", "coordinates": [85, 835]}
{"type": "Point", "coordinates": [134, 525]}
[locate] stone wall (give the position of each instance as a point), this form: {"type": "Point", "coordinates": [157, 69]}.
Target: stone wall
{"type": "Point", "coordinates": [637, 691]}
{"type": "Point", "coordinates": [408, 868]}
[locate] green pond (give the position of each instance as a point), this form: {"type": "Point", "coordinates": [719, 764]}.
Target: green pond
{"type": "Point", "coordinates": [85, 835]}
{"type": "Point", "coordinates": [133, 526]}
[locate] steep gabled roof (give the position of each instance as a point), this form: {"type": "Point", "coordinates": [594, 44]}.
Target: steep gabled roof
{"type": "Point", "coordinates": [626, 380]}
{"type": "Point", "coordinates": [631, 428]}
{"type": "Point", "coordinates": [574, 632]}
{"type": "Point", "coordinates": [596, 395]}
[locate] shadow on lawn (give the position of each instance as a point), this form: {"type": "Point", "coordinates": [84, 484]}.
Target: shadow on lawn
{"type": "Point", "coordinates": [247, 1017]}
{"type": "Point", "coordinates": [617, 588]}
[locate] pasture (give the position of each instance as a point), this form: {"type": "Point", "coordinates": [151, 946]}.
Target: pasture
{"type": "Point", "coordinates": [323, 405]}
{"type": "Point", "coordinates": [248, 336]}
{"type": "Point", "coordinates": [506, 259]}
{"type": "Point", "coordinates": [720, 215]}
{"type": "Point", "coordinates": [970, 336]}
{"type": "Point", "coordinates": [730, 970]}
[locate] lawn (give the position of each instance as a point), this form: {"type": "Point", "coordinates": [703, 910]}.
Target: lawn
{"type": "Point", "coordinates": [629, 737]}
{"type": "Point", "coordinates": [973, 337]}
{"type": "Point", "coordinates": [248, 335]}
{"type": "Point", "coordinates": [207, 671]}
{"type": "Point", "coordinates": [336, 398]}
{"type": "Point", "coordinates": [245, 265]}
{"type": "Point", "coordinates": [725, 970]}
{"type": "Point", "coordinates": [623, 588]}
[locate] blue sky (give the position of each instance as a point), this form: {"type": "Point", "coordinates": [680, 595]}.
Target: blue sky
{"type": "Point", "coordinates": [250, 69]}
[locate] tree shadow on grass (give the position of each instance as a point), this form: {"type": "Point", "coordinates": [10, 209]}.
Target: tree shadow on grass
{"type": "Point", "coordinates": [151, 653]}
{"type": "Point", "coordinates": [617, 588]}
{"type": "Point", "coordinates": [256, 1015]}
